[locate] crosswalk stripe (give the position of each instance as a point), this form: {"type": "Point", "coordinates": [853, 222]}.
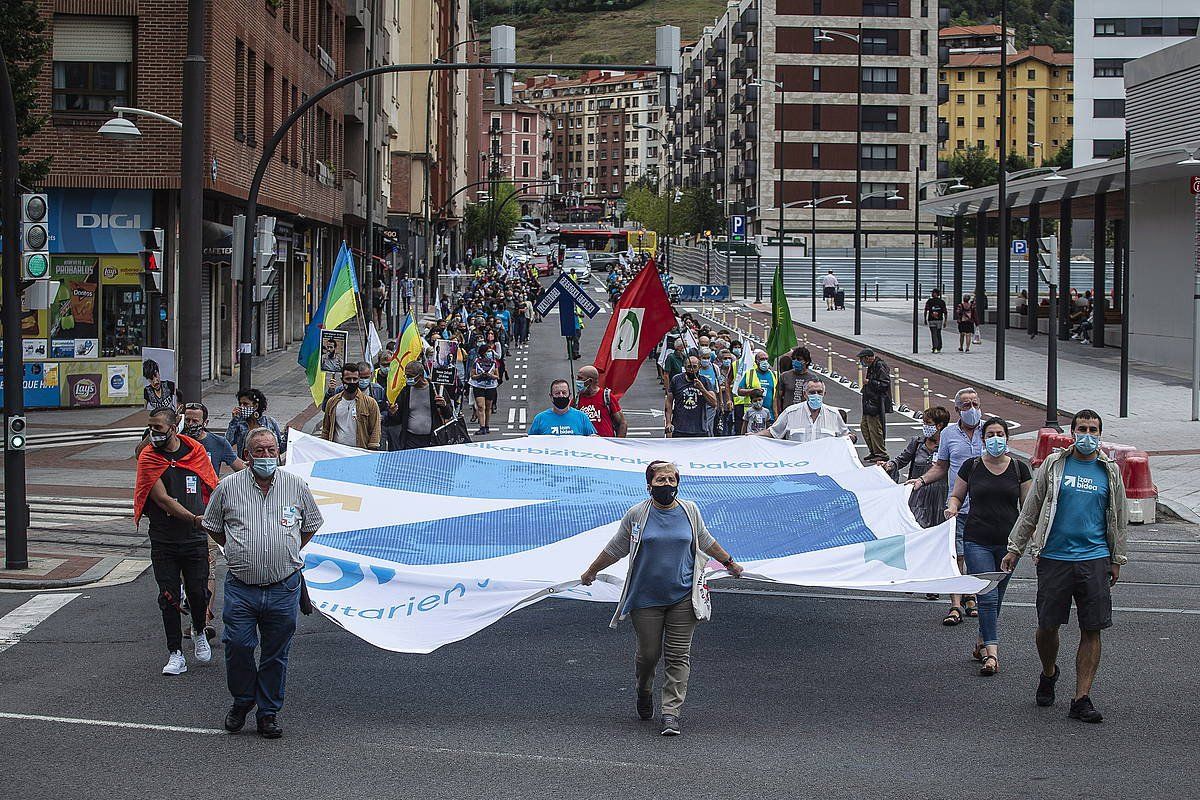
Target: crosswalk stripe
{"type": "Point", "coordinates": [25, 618]}
{"type": "Point", "coordinates": [114, 724]}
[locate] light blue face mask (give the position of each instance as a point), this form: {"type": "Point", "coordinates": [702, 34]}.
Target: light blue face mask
{"type": "Point", "coordinates": [815, 401]}
{"type": "Point", "coordinates": [364, 383]}
{"type": "Point", "coordinates": [1087, 443]}
{"type": "Point", "coordinates": [929, 431]}
{"type": "Point", "coordinates": [264, 467]}
{"type": "Point", "coordinates": [580, 386]}
{"type": "Point", "coordinates": [970, 416]}
{"type": "Point", "coordinates": [996, 445]}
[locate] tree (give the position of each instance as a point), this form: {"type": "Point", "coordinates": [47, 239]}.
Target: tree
{"type": "Point", "coordinates": [1064, 158]}
{"type": "Point", "coordinates": [24, 44]}
{"type": "Point", "coordinates": [483, 222]}
{"type": "Point", "coordinates": [974, 167]}
{"type": "Point", "coordinates": [704, 212]}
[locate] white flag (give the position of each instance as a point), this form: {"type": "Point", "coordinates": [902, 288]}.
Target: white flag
{"type": "Point", "coordinates": [374, 346]}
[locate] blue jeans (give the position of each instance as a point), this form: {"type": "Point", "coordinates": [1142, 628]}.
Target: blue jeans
{"type": "Point", "coordinates": [248, 612]}
{"type": "Point", "coordinates": [987, 558]}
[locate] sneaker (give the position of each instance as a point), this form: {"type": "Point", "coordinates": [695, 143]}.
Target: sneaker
{"type": "Point", "coordinates": [1082, 709]}
{"type": "Point", "coordinates": [268, 728]}
{"type": "Point", "coordinates": [236, 718]}
{"type": "Point", "coordinates": [176, 664]}
{"type": "Point", "coordinates": [1045, 690]}
{"type": "Point", "coordinates": [210, 633]}
{"type": "Point", "coordinates": [670, 725]}
{"type": "Point", "coordinates": [203, 648]}
{"type": "Point", "coordinates": [645, 705]}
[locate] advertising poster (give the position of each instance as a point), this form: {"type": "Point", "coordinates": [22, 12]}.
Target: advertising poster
{"type": "Point", "coordinates": [333, 350]}
{"type": "Point", "coordinates": [34, 349]}
{"type": "Point", "coordinates": [160, 360]}
{"type": "Point", "coordinates": [62, 348]}
{"type": "Point", "coordinates": [83, 389]}
{"type": "Point", "coordinates": [73, 312]}
{"type": "Point", "coordinates": [118, 380]}
{"type": "Point", "coordinates": [445, 353]}
{"type": "Point", "coordinates": [41, 387]}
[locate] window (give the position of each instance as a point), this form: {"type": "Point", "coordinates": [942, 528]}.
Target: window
{"type": "Point", "coordinates": [1107, 148]}
{"type": "Point", "coordinates": [881, 80]}
{"type": "Point", "coordinates": [1054, 120]}
{"type": "Point", "coordinates": [959, 121]}
{"type": "Point", "coordinates": [816, 116]}
{"type": "Point", "coordinates": [1054, 97]}
{"type": "Point", "coordinates": [1031, 74]}
{"type": "Point", "coordinates": [525, 147]}
{"type": "Point", "coordinates": [816, 82]}
{"type": "Point", "coordinates": [1110, 27]}
{"type": "Point", "coordinates": [981, 77]}
{"type": "Point", "coordinates": [1108, 109]}
{"type": "Point", "coordinates": [1108, 68]}
{"type": "Point", "coordinates": [960, 99]}
{"type": "Point", "coordinates": [524, 169]}
{"type": "Point", "coordinates": [1054, 142]}
{"type": "Point", "coordinates": [881, 8]}
{"type": "Point", "coordinates": [961, 144]}
{"type": "Point", "coordinates": [816, 155]}
{"type": "Point", "coordinates": [591, 138]}
{"type": "Point", "coordinates": [239, 92]}
{"type": "Point", "coordinates": [1188, 26]}
{"type": "Point", "coordinates": [881, 43]}
{"type": "Point", "coordinates": [882, 190]}
{"type": "Point", "coordinates": [881, 118]}
{"type": "Point", "coordinates": [268, 120]}
{"type": "Point", "coordinates": [879, 156]}
{"type": "Point", "coordinates": [1152, 27]}
{"type": "Point", "coordinates": [979, 122]}
{"type": "Point", "coordinates": [924, 41]}
{"type": "Point", "coordinates": [93, 59]}
{"type": "Point", "coordinates": [980, 100]}
{"type": "Point", "coordinates": [979, 144]}
{"type": "Point", "coordinates": [525, 125]}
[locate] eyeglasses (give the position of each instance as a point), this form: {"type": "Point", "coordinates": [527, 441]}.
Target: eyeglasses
{"type": "Point", "coordinates": [969, 404]}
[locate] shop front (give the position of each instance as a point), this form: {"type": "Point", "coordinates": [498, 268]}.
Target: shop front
{"type": "Point", "coordinates": [86, 349]}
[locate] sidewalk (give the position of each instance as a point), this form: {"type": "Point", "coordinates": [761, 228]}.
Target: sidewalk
{"type": "Point", "coordinates": [1160, 398]}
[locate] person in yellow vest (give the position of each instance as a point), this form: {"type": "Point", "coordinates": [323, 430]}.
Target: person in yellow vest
{"type": "Point", "coordinates": [759, 376]}
{"type": "Point", "coordinates": [741, 363]}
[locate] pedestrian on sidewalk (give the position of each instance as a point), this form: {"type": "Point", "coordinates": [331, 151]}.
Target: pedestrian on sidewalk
{"type": "Point", "coordinates": [958, 443]}
{"type": "Point", "coordinates": [601, 408]}
{"type": "Point", "coordinates": [964, 315]}
{"type": "Point", "coordinates": [1074, 524]}
{"type": "Point", "coordinates": [935, 318]}
{"type": "Point", "coordinates": [174, 479]}
{"type": "Point", "coordinates": [248, 415]}
{"type": "Point", "coordinates": [927, 501]}
{"type": "Point", "coordinates": [665, 593]}
{"type": "Point", "coordinates": [829, 287]}
{"type": "Point", "coordinates": [262, 517]}
{"type": "Point", "coordinates": [418, 411]}
{"type": "Point", "coordinates": [997, 484]}
{"type": "Point", "coordinates": [352, 418]}
{"type": "Point", "coordinates": [876, 404]}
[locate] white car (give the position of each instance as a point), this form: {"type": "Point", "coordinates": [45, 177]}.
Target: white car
{"type": "Point", "coordinates": [577, 264]}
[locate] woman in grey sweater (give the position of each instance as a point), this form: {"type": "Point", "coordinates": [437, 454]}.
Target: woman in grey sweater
{"type": "Point", "coordinates": [665, 594]}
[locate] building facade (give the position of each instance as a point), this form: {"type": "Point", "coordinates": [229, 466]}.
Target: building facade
{"type": "Point", "coordinates": [976, 39]}
{"type": "Point", "coordinates": [1107, 36]}
{"type": "Point", "coordinates": [516, 139]}
{"type": "Point", "coordinates": [1040, 103]}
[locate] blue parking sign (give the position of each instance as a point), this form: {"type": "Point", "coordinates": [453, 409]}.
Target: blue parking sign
{"type": "Point", "coordinates": [1019, 247]}
{"type": "Point", "coordinates": [737, 228]}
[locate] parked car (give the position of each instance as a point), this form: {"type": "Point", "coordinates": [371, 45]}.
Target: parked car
{"type": "Point", "coordinates": [604, 262]}
{"type": "Point", "coordinates": [544, 267]}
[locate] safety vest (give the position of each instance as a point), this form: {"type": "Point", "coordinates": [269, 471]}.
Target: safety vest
{"type": "Point", "coordinates": [752, 381]}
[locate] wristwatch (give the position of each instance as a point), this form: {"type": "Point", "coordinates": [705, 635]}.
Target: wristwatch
{"type": "Point", "coordinates": [727, 562]}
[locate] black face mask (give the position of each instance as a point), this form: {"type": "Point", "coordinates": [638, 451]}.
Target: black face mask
{"type": "Point", "coordinates": [560, 402]}
{"type": "Point", "coordinates": [350, 388]}
{"type": "Point", "coordinates": [664, 494]}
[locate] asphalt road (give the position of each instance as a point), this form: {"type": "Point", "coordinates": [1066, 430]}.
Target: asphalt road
{"type": "Point", "coordinates": [805, 693]}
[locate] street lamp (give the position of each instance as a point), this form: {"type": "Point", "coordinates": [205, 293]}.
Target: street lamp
{"type": "Point", "coordinates": [842, 200]}
{"type": "Point", "coordinates": [666, 143]}
{"type": "Point", "coordinates": [954, 184]}
{"type": "Point", "coordinates": [125, 130]}
{"type": "Point", "coordinates": [889, 196]}
{"type": "Point", "coordinates": [777, 86]}
{"type": "Point", "coordinates": [826, 35]}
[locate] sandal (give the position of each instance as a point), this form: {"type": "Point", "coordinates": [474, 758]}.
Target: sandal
{"type": "Point", "coordinates": [990, 666]}
{"type": "Point", "coordinates": [970, 604]}
{"type": "Point", "coordinates": [979, 653]}
{"type": "Point", "coordinates": [953, 617]}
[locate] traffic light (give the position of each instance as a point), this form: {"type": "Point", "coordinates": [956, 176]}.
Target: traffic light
{"type": "Point", "coordinates": [264, 259]}
{"type": "Point", "coordinates": [1048, 258]}
{"type": "Point", "coordinates": [35, 237]}
{"type": "Point", "coordinates": [152, 258]}
{"type": "Point", "coordinates": [15, 432]}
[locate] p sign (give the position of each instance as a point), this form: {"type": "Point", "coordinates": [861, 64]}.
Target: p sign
{"type": "Point", "coordinates": [1196, 184]}
{"type": "Point", "coordinates": [737, 228]}
{"type": "Point", "coordinates": [1019, 247]}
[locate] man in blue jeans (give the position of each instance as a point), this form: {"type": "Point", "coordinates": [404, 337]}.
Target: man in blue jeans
{"type": "Point", "coordinates": [263, 518]}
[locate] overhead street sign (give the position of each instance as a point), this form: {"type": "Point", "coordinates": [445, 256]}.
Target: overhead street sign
{"type": "Point", "coordinates": [565, 286]}
{"type": "Point", "coordinates": [710, 292]}
{"type": "Point", "coordinates": [737, 227]}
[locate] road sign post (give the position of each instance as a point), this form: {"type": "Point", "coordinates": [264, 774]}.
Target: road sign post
{"type": "Point", "coordinates": [1019, 247]}
{"type": "Point", "coordinates": [737, 228]}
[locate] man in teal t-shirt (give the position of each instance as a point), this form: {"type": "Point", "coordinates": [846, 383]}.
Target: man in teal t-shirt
{"type": "Point", "coordinates": [1079, 532]}
{"type": "Point", "coordinates": [561, 419]}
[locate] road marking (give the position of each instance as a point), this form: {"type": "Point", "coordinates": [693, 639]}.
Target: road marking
{"type": "Point", "coordinates": [105, 723]}
{"type": "Point", "coordinates": [24, 618]}
{"type": "Point", "coordinates": [535, 757]}
{"type": "Point", "coordinates": [523, 412]}
{"type": "Point", "coordinates": [512, 416]}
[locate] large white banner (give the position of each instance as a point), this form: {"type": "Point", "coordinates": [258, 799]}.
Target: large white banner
{"type": "Point", "coordinates": [421, 548]}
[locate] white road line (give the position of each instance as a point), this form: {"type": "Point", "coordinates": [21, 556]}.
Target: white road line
{"type": "Point", "coordinates": [105, 723]}
{"type": "Point", "coordinates": [24, 618]}
{"type": "Point", "coordinates": [523, 412]}
{"type": "Point", "coordinates": [523, 397]}
{"type": "Point", "coordinates": [512, 416]}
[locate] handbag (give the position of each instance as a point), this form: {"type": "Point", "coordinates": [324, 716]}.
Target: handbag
{"type": "Point", "coordinates": [453, 432]}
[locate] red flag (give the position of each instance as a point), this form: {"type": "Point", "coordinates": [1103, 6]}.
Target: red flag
{"type": "Point", "coordinates": [639, 321]}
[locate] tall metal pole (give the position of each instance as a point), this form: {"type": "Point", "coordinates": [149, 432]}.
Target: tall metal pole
{"type": "Point", "coordinates": [1002, 237]}
{"type": "Point", "coordinates": [858, 195]}
{"type": "Point", "coordinates": [1128, 234]}
{"type": "Point", "coordinates": [916, 198]}
{"type": "Point", "coordinates": [812, 256]}
{"type": "Point", "coordinates": [1033, 233]}
{"type": "Point", "coordinates": [16, 516]}
{"type": "Point", "coordinates": [940, 281]}
{"type": "Point", "coordinates": [191, 215]}
{"type": "Point", "coordinates": [1052, 368]}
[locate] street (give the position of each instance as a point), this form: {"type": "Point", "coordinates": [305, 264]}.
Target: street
{"type": "Point", "coordinates": [828, 693]}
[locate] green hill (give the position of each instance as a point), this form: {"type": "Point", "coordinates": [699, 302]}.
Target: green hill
{"type": "Point", "coordinates": [598, 32]}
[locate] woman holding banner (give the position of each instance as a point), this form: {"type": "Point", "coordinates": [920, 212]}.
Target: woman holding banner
{"type": "Point", "coordinates": [668, 546]}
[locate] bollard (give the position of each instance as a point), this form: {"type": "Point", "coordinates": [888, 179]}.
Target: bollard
{"type": "Point", "coordinates": [876, 291]}
{"type": "Point", "coordinates": [896, 387]}
{"type": "Point", "coordinates": [860, 375]}
{"type": "Point", "coordinates": [806, 338]}
{"type": "Point", "coordinates": [925, 393]}
{"type": "Point", "coordinates": [829, 358]}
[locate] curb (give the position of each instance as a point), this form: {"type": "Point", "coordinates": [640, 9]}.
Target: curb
{"type": "Point", "coordinates": [95, 573]}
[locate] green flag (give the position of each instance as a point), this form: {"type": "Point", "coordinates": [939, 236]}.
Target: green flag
{"type": "Point", "coordinates": [783, 333]}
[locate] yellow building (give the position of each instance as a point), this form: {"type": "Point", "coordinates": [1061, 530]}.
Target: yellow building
{"type": "Point", "coordinates": [1040, 102]}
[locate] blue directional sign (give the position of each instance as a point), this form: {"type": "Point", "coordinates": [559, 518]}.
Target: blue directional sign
{"type": "Point", "coordinates": [568, 295]}
{"type": "Point", "coordinates": [737, 228]}
{"type": "Point", "coordinates": [709, 292]}
{"type": "Point", "coordinates": [1020, 247]}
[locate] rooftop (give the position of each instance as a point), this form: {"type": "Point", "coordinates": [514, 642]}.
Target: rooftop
{"type": "Point", "coordinates": [1038, 52]}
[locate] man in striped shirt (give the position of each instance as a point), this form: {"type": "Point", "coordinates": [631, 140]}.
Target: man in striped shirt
{"type": "Point", "coordinates": [263, 518]}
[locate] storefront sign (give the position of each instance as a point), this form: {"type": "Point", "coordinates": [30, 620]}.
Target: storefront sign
{"type": "Point", "coordinates": [83, 390]}
{"type": "Point", "coordinates": [118, 380]}
{"type": "Point", "coordinates": [99, 220]}
{"type": "Point", "coordinates": [41, 388]}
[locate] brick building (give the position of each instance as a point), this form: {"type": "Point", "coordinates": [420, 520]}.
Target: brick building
{"type": "Point", "coordinates": [523, 138]}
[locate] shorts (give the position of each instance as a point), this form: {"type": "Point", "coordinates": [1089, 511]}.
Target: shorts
{"type": "Point", "coordinates": [829, 291]}
{"type": "Point", "coordinates": [960, 525]}
{"type": "Point", "coordinates": [486, 394]}
{"type": "Point", "coordinates": [1085, 582]}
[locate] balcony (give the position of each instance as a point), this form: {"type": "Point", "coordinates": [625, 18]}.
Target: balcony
{"type": "Point", "coordinates": [749, 170]}
{"type": "Point", "coordinates": [750, 131]}
{"type": "Point", "coordinates": [358, 14]}
{"type": "Point", "coordinates": [943, 55]}
{"type": "Point", "coordinates": [737, 104]}
{"type": "Point", "coordinates": [354, 97]}
{"type": "Point", "coordinates": [355, 202]}
{"type": "Point", "coordinates": [738, 67]}
{"type": "Point", "coordinates": [750, 53]}
{"type": "Point", "coordinates": [943, 93]}
{"type": "Point", "coordinates": [736, 139]}
{"type": "Point", "coordinates": [738, 32]}
{"type": "Point", "coordinates": [715, 52]}
{"type": "Point", "coordinates": [751, 94]}
{"type": "Point", "coordinates": [714, 115]}
{"type": "Point", "coordinates": [943, 131]}
{"type": "Point", "coordinates": [712, 86]}
{"type": "Point", "coordinates": [749, 19]}
{"type": "Point", "coordinates": [697, 65]}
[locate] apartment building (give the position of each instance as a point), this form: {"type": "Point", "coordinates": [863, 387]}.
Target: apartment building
{"type": "Point", "coordinates": [769, 112]}
{"type": "Point", "coordinates": [1040, 103]}
{"type": "Point", "coordinates": [977, 39]}
{"type": "Point", "coordinates": [516, 139]}
{"type": "Point", "coordinates": [1107, 36]}
{"type": "Point", "coordinates": [596, 148]}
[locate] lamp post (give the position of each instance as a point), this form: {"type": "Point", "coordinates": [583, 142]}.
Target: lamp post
{"type": "Point", "coordinates": [843, 200]}
{"type": "Point", "coordinates": [779, 233]}
{"type": "Point", "coordinates": [777, 86]}
{"type": "Point", "coordinates": [889, 196]}
{"type": "Point", "coordinates": [666, 144]}
{"type": "Point", "coordinates": [956, 184]}
{"type": "Point", "coordinates": [826, 35]}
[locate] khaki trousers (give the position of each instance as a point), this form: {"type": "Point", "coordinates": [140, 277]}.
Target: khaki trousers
{"type": "Point", "coordinates": [665, 632]}
{"type": "Point", "coordinates": [873, 434]}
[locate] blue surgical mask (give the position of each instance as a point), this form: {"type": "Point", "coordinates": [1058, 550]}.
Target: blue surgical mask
{"type": "Point", "coordinates": [264, 467]}
{"type": "Point", "coordinates": [970, 416]}
{"type": "Point", "coordinates": [815, 401]}
{"type": "Point", "coordinates": [1086, 443]}
{"type": "Point", "coordinates": [364, 383]}
{"type": "Point", "coordinates": [799, 367]}
{"type": "Point", "coordinates": [929, 431]}
{"type": "Point", "coordinates": [726, 362]}
{"type": "Point", "coordinates": [580, 386]}
{"type": "Point", "coordinates": [764, 365]}
{"type": "Point", "coordinates": [706, 362]}
{"type": "Point", "coordinates": [996, 445]}
{"type": "Point", "coordinates": [737, 351]}
{"type": "Point", "coordinates": [756, 404]}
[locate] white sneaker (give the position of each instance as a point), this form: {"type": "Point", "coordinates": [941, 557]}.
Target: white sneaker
{"type": "Point", "coordinates": [203, 649]}
{"type": "Point", "coordinates": [176, 664]}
